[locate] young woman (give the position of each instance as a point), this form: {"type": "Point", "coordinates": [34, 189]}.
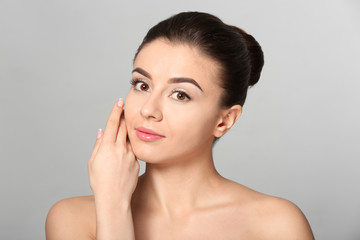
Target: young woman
{"type": "Point", "coordinates": [190, 79]}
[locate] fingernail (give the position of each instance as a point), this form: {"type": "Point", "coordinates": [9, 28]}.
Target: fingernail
{"type": "Point", "coordinates": [98, 135]}
{"type": "Point", "coordinates": [121, 102]}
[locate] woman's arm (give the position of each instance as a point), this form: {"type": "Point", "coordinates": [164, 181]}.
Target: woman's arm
{"type": "Point", "coordinates": [113, 174]}
{"type": "Point", "coordinates": [114, 222]}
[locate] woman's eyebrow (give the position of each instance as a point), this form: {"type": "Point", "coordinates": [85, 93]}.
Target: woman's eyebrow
{"type": "Point", "coordinates": [183, 79]}
{"type": "Point", "coordinates": [171, 80]}
{"type": "Point", "coordinates": [142, 72]}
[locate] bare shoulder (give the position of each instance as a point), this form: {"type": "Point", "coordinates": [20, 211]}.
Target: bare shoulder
{"type": "Point", "coordinates": [272, 217]}
{"type": "Point", "coordinates": [72, 218]}
{"type": "Point", "coordinates": [282, 219]}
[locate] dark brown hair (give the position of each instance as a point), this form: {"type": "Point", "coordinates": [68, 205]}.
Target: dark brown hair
{"type": "Point", "coordinates": [238, 53]}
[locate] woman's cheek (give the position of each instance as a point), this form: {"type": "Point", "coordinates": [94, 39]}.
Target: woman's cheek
{"type": "Point", "coordinates": [189, 121]}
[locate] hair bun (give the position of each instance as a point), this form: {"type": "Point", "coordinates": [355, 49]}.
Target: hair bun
{"type": "Point", "coordinates": [256, 56]}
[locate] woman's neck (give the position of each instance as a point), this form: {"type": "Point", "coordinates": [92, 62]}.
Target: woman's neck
{"type": "Point", "coordinates": [177, 188]}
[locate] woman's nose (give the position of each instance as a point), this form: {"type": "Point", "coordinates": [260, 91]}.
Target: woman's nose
{"type": "Point", "coordinates": [152, 108]}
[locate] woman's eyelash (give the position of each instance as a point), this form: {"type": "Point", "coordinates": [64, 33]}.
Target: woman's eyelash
{"type": "Point", "coordinates": [137, 86]}
{"type": "Point", "coordinates": [181, 92]}
{"type": "Point", "coordinates": [134, 82]}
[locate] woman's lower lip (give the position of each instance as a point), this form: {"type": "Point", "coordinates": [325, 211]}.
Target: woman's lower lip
{"type": "Point", "coordinates": [147, 136]}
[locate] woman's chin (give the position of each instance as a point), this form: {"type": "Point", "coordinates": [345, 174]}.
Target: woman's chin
{"type": "Point", "coordinates": [152, 156]}
{"type": "Point", "coordinates": [144, 153]}
{"type": "Point", "coordinates": [147, 159]}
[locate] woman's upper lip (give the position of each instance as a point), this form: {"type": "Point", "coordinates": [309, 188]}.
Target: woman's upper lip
{"type": "Point", "coordinates": [149, 131]}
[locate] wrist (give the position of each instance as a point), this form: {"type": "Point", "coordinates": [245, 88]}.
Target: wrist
{"type": "Point", "coordinates": [112, 204]}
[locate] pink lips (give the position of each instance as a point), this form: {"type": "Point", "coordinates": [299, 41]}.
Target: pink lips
{"type": "Point", "coordinates": [148, 135]}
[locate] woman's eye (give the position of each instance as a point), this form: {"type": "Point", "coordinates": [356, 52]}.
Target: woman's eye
{"type": "Point", "coordinates": [180, 96]}
{"type": "Point", "coordinates": [140, 85]}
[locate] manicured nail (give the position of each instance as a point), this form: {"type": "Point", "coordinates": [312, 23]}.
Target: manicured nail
{"type": "Point", "coordinates": [98, 135]}
{"type": "Point", "coordinates": [121, 102]}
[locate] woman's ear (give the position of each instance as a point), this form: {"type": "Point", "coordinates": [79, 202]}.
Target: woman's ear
{"type": "Point", "coordinates": [227, 119]}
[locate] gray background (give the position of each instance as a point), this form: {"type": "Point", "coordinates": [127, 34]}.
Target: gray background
{"type": "Point", "coordinates": [63, 63]}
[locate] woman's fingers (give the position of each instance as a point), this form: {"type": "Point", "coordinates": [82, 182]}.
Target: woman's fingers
{"type": "Point", "coordinates": [112, 124]}
{"type": "Point", "coordinates": [122, 134]}
{"type": "Point", "coordinates": [112, 167]}
{"type": "Point", "coordinates": [99, 135]}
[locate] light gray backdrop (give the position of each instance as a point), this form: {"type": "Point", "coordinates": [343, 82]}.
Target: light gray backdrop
{"type": "Point", "coordinates": [63, 64]}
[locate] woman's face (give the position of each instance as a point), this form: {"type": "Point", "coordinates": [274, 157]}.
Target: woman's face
{"type": "Point", "coordinates": [175, 94]}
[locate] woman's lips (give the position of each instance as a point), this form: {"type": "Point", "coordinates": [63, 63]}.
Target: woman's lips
{"type": "Point", "coordinates": [148, 135]}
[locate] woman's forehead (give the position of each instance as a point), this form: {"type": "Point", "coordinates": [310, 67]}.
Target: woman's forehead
{"type": "Point", "coordinates": [164, 59]}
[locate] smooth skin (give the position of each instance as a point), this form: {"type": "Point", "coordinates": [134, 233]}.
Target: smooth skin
{"type": "Point", "coordinates": [180, 195]}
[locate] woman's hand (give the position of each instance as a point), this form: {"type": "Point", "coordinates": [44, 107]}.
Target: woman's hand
{"type": "Point", "coordinates": [113, 174]}
{"type": "Point", "coordinates": [113, 168]}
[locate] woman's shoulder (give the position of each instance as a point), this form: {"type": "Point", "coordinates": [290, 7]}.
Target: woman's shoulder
{"type": "Point", "coordinates": [274, 217]}
{"type": "Point", "coordinates": [72, 218]}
